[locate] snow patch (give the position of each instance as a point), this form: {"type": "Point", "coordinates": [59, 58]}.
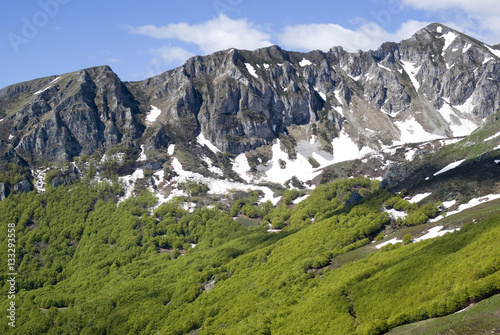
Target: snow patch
{"type": "Point", "coordinates": [492, 137]}
{"type": "Point", "coordinates": [204, 142]}
{"type": "Point", "coordinates": [392, 241]}
{"type": "Point", "coordinates": [251, 70]}
{"type": "Point", "coordinates": [411, 69]}
{"type": "Point", "coordinates": [170, 149]}
{"type": "Point", "coordinates": [129, 183]}
{"type": "Point", "coordinates": [11, 137]}
{"type": "Point", "coordinates": [439, 30]}
{"type": "Point", "coordinates": [299, 199]}
{"type": "Point", "coordinates": [449, 167]}
{"type": "Point", "coordinates": [271, 230]}
{"type": "Point", "coordinates": [39, 179]}
{"type": "Point", "coordinates": [395, 214]}
{"type": "Point", "coordinates": [464, 127]}
{"type": "Point", "coordinates": [448, 204]}
{"type": "Point", "coordinates": [383, 67]}
{"type": "Point", "coordinates": [46, 88]}
{"type": "Point", "coordinates": [266, 66]}
{"type": "Point", "coordinates": [419, 197]}
{"type": "Point", "coordinates": [410, 154]}
{"type": "Point", "coordinates": [211, 167]}
{"type": "Point", "coordinates": [413, 132]}
{"type": "Point", "coordinates": [472, 203]}
{"type": "Point", "coordinates": [305, 62]}
{"type": "Point", "coordinates": [493, 51]}
{"type": "Point", "coordinates": [217, 186]}
{"type": "Point", "coordinates": [449, 37]}
{"type": "Point", "coordinates": [466, 47]}
{"type": "Point", "coordinates": [322, 95]}
{"type": "Point", "coordinates": [153, 114]}
{"type": "Point", "coordinates": [434, 232]}
{"type": "Point", "coordinates": [345, 149]}
{"type": "Point", "coordinates": [142, 156]}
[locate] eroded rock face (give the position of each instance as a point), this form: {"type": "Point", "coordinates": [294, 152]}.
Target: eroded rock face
{"type": "Point", "coordinates": [439, 80]}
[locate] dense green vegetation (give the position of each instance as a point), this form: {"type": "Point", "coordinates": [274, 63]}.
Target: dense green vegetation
{"type": "Point", "coordinates": [89, 266]}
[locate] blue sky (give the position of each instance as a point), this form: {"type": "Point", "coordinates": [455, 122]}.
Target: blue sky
{"type": "Point", "coordinates": [141, 38]}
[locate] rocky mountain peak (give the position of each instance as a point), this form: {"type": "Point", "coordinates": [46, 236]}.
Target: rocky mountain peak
{"type": "Point", "coordinates": [439, 83]}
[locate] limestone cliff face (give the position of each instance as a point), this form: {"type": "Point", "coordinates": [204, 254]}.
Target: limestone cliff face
{"type": "Point", "coordinates": [439, 83]}
{"type": "Point", "coordinates": [57, 118]}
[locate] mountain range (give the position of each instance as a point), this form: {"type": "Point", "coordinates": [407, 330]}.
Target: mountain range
{"type": "Point", "coordinates": [253, 117]}
{"type": "Point", "coordinates": [304, 192]}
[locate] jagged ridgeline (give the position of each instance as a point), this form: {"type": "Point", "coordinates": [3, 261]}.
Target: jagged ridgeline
{"type": "Point", "coordinates": [278, 116]}
{"type": "Point", "coordinates": [259, 192]}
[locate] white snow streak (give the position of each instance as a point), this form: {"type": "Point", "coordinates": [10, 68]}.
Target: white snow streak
{"type": "Point", "coordinates": [449, 167]}
{"type": "Point", "coordinates": [251, 70]}
{"type": "Point", "coordinates": [46, 88]}
{"type": "Point", "coordinates": [142, 156]}
{"type": "Point", "coordinates": [492, 137]}
{"type": "Point", "coordinates": [434, 232]}
{"type": "Point", "coordinates": [204, 142]}
{"type": "Point", "coordinates": [418, 197]}
{"type": "Point", "coordinates": [411, 69]}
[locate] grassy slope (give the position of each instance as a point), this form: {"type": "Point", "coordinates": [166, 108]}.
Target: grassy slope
{"type": "Point", "coordinates": [480, 318]}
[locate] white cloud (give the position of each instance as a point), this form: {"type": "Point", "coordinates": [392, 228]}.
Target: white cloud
{"type": "Point", "coordinates": [170, 55]}
{"type": "Point", "coordinates": [114, 60]}
{"type": "Point", "coordinates": [369, 35]}
{"type": "Point", "coordinates": [217, 34]}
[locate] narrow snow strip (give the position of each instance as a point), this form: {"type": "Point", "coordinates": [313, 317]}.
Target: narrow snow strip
{"type": "Point", "coordinates": [383, 67]}
{"type": "Point", "coordinates": [472, 203]}
{"type": "Point", "coordinates": [466, 47]}
{"type": "Point", "coordinates": [434, 232]}
{"type": "Point", "coordinates": [46, 88]}
{"type": "Point", "coordinates": [204, 142]}
{"type": "Point", "coordinates": [271, 230]}
{"type": "Point", "coordinates": [251, 70]}
{"type": "Point", "coordinates": [142, 156]}
{"type": "Point", "coordinates": [492, 137]}
{"type": "Point", "coordinates": [322, 95]}
{"type": "Point", "coordinates": [153, 114]}
{"type": "Point", "coordinates": [392, 241]}
{"type": "Point", "coordinates": [299, 199]}
{"type": "Point", "coordinates": [419, 197]}
{"type": "Point", "coordinates": [411, 69]}
{"type": "Point", "coordinates": [449, 167]}
{"type": "Point", "coordinates": [493, 51]}
{"type": "Point", "coordinates": [305, 62]}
